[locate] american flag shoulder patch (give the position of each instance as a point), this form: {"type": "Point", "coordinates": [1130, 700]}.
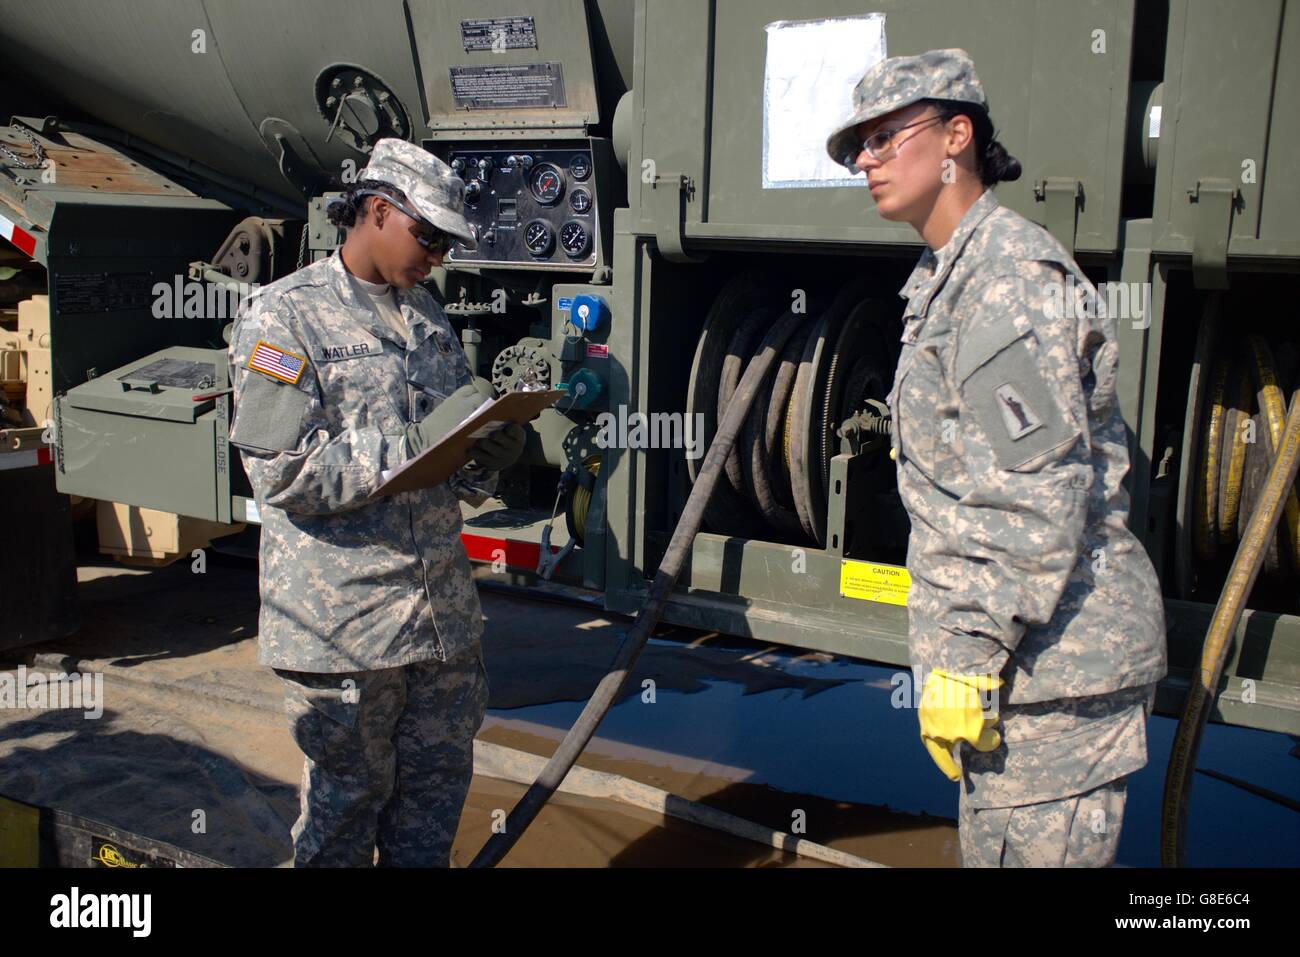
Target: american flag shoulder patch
{"type": "Point", "coordinates": [277, 363]}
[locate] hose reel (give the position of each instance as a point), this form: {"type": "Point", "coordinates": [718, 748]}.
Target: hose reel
{"type": "Point", "coordinates": [1237, 409]}
{"type": "Point", "coordinates": [831, 378]}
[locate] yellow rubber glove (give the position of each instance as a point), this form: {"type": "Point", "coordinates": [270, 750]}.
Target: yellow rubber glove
{"type": "Point", "coordinates": [951, 711]}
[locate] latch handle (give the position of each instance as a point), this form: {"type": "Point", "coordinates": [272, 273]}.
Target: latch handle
{"type": "Point", "coordinates": [668, 195]}
{"type": "Point", "coordinates": [1215, 200]}
{"type": "Point", "coordinates": [142, 385]}
{"type": "Point", "coordinates": [1062, 196]}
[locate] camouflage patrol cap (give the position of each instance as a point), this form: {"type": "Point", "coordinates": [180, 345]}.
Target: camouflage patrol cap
{"type": "Point", "coordinates": [431, 187]}
{"type": "Point", "coordinates": [901, 81]}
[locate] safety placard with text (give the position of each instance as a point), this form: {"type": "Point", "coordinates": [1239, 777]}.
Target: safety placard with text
{"type": "Point", "coordinates": [871, 582]}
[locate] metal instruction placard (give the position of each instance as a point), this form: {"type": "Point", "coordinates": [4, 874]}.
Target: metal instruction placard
{"type": "Point", "coordinates": [498, 34]}
{"type": "Point", "coordinates": [510, 86]}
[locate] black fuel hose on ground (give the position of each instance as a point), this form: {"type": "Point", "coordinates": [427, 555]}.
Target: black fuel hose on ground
{"type": "Point", "coordinates": [1203, 689]}
{"type": "Point", "coordinates": [679, 547]}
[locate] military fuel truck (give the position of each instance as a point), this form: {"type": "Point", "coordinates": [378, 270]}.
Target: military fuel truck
{"type": "Point", "coordinates": [648, 184]}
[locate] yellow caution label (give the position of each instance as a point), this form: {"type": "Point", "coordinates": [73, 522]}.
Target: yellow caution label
{"type": "Point", "coordinates": [884, 583]}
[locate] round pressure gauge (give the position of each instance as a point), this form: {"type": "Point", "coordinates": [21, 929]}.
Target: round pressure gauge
{"type": "Point", "coordinates": [546, 183]}
{"type": "Point", "coordinates": [580, 200]}
{"type": "Point", "coordinates": [574, 239]}
{"type": "Point", "coordinates": [539, 238]}
{"type": "Point", "coordinates": [580, 167]}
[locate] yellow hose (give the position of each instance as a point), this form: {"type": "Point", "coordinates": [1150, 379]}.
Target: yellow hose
{"type": "Point", "coordinates": [1230, 488]}
{"type": "Point", "coordinates": [580, 501]}
{"type": "Point", "coordinates": [1204, 687]}
{"type": "Point", "coordinates": [1274, 411]}
{"type": "Point", "coordinates": [1205, 531]}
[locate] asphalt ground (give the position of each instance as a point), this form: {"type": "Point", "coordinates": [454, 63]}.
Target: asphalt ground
{"type": "Point", "coordinates": [799, 742]}
{"type": "Point", "coordinates": [190, 722]}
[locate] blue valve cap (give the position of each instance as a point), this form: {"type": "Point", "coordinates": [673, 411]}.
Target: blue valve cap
{"type": "Point", "coordinates": [588, 312]}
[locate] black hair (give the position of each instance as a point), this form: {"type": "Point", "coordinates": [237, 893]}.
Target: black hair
{"type": "Point", "coordinates": [349, 209]}
{"type": "Point", "coordinates": [995, 164]}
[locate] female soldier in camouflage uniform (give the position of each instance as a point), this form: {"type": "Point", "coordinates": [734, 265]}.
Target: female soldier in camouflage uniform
{"type": "Point", "coordinates": [1027, 586]}
{"type": "Point", "coordinates": [369, 614]}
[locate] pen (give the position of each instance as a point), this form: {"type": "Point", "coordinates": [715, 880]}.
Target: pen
{"type": "Point", "coordinates": [426, 390]}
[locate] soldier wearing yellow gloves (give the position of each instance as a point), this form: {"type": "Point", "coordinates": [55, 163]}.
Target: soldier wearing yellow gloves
{"type": "Point", "coordinates": [1035, 617]}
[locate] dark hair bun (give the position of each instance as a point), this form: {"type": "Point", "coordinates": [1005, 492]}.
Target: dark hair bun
{"type": "Point", "coordinates": [999, 165]}
{"type": "Point", "coordinates": [342, 212]}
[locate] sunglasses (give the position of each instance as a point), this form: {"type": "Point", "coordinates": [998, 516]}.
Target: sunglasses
{"type": "Point", "coordinates": [432, 239]}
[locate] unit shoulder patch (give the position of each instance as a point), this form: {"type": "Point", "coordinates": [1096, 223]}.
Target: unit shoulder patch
{"type": "Point", "coordinates": [1015, 404]}
{"type": "Point", "coordinates": [1017, 414]}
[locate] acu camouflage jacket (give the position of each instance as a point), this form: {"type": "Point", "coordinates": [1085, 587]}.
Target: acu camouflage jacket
{"type": "Point", "coordinates": [1011, 454]}
{"type": "Point", "coordinates": [322, 399]}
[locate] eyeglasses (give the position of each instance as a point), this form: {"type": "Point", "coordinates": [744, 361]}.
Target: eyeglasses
{"type": "Point", "coordinates": [880, 145]}
{"type": "Point", "coordinates": [433, 239]}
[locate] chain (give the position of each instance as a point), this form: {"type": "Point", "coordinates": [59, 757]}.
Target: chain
{"type": "Point", "coordinates": [17, 160]}
{"type": "Point", "coordinates": [302, 247]}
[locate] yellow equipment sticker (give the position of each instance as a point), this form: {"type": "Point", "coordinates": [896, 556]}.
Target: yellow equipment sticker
{"type": "Point", "coordinates": [883, 583]}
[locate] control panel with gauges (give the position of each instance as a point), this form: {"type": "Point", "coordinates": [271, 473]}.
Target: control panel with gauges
{"type": "Point", "coordinates": [533, 206]}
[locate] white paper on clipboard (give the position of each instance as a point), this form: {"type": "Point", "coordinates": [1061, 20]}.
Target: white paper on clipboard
{"type": "Point", "coordinates": [435, 465]}
{"type": "Point", "coordinates": [811, 69]}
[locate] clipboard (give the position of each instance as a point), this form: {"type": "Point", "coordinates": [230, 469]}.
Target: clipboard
{"type": "Point", "coordinates": [440, 461]}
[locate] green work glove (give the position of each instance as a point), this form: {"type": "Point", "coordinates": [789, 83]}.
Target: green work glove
{"type": "Point", "coordinates": [499, 450]}
{"type": "Point", "coordinates": [448, 414]}
{"type": "Point", "coordinates": [952, 711]}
